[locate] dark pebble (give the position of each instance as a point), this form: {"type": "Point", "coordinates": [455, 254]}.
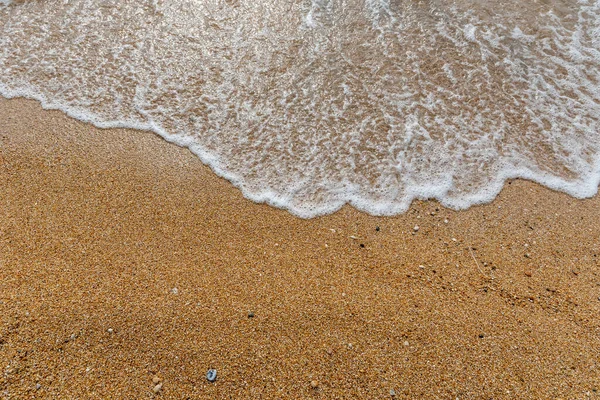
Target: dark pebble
{"type": "Point", "coordinates": [377, 228]}
{"type": "Point", "coordinates": [362, 245]}
{"type": "Point", "coordinates": [250, 315]}
{"type": "Point", "coordinates": [481, 336]}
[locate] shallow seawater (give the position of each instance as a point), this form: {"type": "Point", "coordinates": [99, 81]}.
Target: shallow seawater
{"type": "Point", "coordinates": [308, 105]}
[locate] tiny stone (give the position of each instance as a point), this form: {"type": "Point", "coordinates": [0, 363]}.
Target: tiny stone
{"type": "Point", "coordinates": [421, 266]}
{"type": "Point", "coordinates": [110, 330]}
{"type": "Point", "coordinates": [392, 392]}
{"type": "Point", "coordinates": [362, 245]}
{"type": "Point", "coordinates": [416, 228]}
{"type": "Point", "coordinates": [406, 343]}
{"type": "Point", "coordinates": [481, 336]}
{"type": "Point", "coordinates": [445, 221]}
{"type": "Point", "coordinates": [314, 384]}
{"type": "Point", "coordinates": [38, 386]}
{"type": "Point", "coordinates": [73, 336]}
{"type": "Point", "coordinates": [156, 380]}
{"type": "Point", "coordinates": [211, 375]}
{"type": "Point", "coordinates": [454, 240]}
{"type": "Point", "coordinates": [157, 388]}
{"type": "Point", "coordinates": [527, 255]}
{"type": "Point", "coordinates": [250, 314]}
{"type": "Point", "coordinates": [175, 290]}
{"type": "Point", "coordinates": [377, 228]}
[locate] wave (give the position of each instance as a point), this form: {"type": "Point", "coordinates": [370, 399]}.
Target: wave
{"type": "Point", "coordinates": [309, 105]}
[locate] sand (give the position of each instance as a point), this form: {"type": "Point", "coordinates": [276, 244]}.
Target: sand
{"type": "Point", "coordinates": [128, 270]}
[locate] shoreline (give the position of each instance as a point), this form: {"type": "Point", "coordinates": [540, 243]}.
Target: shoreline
{"type": "Point", "coordinates": [124, 258]}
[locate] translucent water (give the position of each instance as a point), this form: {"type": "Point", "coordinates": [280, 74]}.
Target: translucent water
{"type": "Point", "coordinates": [311, 104]}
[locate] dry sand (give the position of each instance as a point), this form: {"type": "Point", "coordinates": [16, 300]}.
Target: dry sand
{"type": "Point", "coordinates": [123, 259]}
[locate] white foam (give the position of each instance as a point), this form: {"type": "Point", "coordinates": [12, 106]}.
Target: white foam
{"type": "Point", "coordinates": [375, 104]}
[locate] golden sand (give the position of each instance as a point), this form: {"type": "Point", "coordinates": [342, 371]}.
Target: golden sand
{"type": "Point", "coordinates": [128, 270]}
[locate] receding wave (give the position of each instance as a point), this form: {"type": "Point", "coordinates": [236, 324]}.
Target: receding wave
{"type": "Point", "coordinates": [308, 105]}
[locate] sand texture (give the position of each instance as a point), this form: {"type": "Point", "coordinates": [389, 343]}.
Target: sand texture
{"type": "Point", "coordinates": [128, 269]}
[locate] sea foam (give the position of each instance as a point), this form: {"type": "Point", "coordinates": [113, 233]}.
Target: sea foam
{"type": "Point", "coordinates": [309, 105]}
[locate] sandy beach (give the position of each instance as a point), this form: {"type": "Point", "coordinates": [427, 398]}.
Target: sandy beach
{"type": "Point", "coordinates": [128, 270]}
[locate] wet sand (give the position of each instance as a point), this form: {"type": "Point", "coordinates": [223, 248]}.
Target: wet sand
{"type": "Point", "coordinates": [126, 264]}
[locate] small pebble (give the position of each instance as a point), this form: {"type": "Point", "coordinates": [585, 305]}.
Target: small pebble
{"type": "Point", "coordinates": [211, 375]}
{"type": "Point", "coordinates": [314, 384]}
{"type": "Point", "coordinates": [421, 266]}
{"type": "Point", "coordinates": [406, 343]}
{"type": "Point", "coordinates": [157, 388]}
{"type": "Point", "coordinates": [445, 221]}
{"type": "Point", "coordinates": [250, 314]}
{"type": "Point", "coordinates": [110, 330]}
{"type": "Point", "coordinates": [416, 228]}
{"type": "Point", "coordinates": [175, 290]}
{"type": "Point", "coordinates": [454, 240]}
{"type": "Point", "coordinates": [38, 386]}
{"type": "Point", "coordinates": [156, 380]}
{"type": "Point", "coordinates": [377, 228]}
{"type": "Point", "coordinates": [392, 392]}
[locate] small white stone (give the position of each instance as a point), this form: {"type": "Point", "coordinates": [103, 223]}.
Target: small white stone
{"type": "Point", "coordinates": [454, 240]}
{"type": "Point", "coordinates": [416, 228]}
{"type": "Point", "coordinates": [445, 221]}
{"type": "Point", "coordinates": [157, 388]}
{"type": "Point", "coordinates": [175, 290]}
{"type": "Point", "coordinates": [110, 330]}
{"type": "Point", "coordinates": [211, 375]}
{"type": "Point", "coordinates": [421, 266]}
{"type": "Point", "coordinates": [406, 343]}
